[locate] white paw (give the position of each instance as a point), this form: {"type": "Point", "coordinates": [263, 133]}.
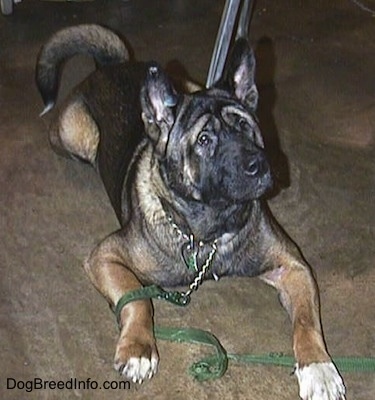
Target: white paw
{"type": "Point", "coordinates": [138, 369]}
{"type": "Point", "coordinates": [320, 381]}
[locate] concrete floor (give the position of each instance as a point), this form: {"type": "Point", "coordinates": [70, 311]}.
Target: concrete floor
{"type": "Point", "coordinates": [316, 63]}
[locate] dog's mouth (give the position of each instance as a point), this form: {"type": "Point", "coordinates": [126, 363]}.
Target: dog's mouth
{"type": "Point", "coordinates": [260, 179]}
{"type": "Point", "coordinates": [239, 187]}
{"type": "Point", "coordinates": [251, 189]}
{"type": "Point", "coordinates": [264, 184]}
{"type": "Point", "coordinates": [248, 178]}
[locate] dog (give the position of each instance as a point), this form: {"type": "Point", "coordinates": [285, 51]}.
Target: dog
{"type": "Point", "coordinates": [187, 175]}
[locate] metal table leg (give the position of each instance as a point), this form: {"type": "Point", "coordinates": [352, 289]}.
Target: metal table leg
{"type": "Point", "coordinates": [225, 34]}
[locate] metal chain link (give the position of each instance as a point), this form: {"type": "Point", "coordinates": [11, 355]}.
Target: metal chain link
{"type": "Point", "coordinates": [205, 267]}
{"type": "Point", "coordinates": [199, 278]}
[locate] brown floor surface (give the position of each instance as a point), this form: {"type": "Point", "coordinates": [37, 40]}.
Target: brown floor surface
{"type": "Point", "coordinates": [316, 65]}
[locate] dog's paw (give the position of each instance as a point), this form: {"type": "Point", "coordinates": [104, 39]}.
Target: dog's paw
{"type": "Point", "coordinates": [136, 361]}
{"type": "Point", "coordinates": [320, 381]}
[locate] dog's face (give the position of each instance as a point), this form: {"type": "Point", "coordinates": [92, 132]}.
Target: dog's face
{"type": "Point", "coordinates": [208, 143]}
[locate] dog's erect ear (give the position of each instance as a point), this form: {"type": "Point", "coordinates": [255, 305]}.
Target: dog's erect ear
{"type": "Point", "coordinates": [239, 74]}
{"type": "Point", "coordinates": [158, 99]}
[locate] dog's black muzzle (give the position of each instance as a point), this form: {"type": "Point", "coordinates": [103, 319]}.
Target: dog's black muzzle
{"type": "Point", "coordinates": [258, 165]}
{"type": "Point", "coordinates": [244, 174]}
{"type": "Point", "coordinates": [257, 174]}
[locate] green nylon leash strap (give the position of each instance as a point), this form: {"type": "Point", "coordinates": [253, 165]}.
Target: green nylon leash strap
{"type": "Point", "coordinates": [150, 292]}
{"type": "Point", "coordinates": [213, 367]}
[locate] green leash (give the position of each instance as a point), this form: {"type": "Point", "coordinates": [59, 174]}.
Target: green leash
{"type": "Point", "coordinates": [213, 367]}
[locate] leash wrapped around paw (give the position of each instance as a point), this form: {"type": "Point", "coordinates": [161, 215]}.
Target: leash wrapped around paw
{"type": "Point", "coordinates": [150, 292]}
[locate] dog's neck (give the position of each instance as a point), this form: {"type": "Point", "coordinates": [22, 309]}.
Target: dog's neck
{"type": "Point", "coordinates": [207, 222]}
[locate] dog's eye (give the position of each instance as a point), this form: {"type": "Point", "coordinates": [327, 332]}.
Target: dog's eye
{"type": "Point", "coordinates": [204, 139]}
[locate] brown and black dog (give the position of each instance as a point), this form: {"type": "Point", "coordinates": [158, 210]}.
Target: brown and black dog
{"type": "Point", "coordinates": [186, 174]}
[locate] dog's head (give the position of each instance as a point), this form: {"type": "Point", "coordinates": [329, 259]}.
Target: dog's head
{"type": "Point", "coordinates": [209, 143]}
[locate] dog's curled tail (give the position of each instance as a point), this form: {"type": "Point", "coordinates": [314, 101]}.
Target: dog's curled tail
{"type": "Point", "coordinates": [93, 40]}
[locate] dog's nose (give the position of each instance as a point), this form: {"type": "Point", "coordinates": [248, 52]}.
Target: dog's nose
{"type": "Point", "coordinates": [257, 165]}
{"type": "Point", "coordinates": [253, 167]}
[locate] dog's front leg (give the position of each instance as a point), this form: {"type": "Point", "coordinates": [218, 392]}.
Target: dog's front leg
{"type": "Point", "coordinates": [317, 376]}
{"type": "Point", "coordinates": [136, 356]}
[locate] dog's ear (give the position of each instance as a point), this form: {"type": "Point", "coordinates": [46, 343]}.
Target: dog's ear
{"type": "Point", "coordinates": [239, 74]}
{"type": "Point", "coordinates": [158, 100]}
